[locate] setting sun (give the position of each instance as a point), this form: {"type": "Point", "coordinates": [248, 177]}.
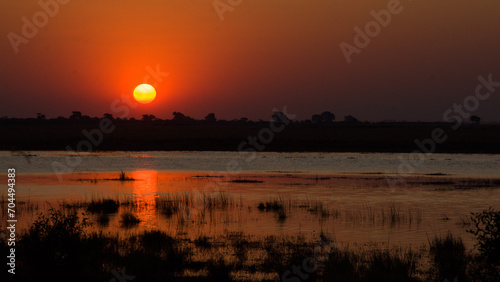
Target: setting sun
{"type": "Point", "coordinates": [144, 93]}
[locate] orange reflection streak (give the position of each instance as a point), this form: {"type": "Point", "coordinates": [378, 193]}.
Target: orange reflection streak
{"type": "Point", "coordinates": [145, 191]}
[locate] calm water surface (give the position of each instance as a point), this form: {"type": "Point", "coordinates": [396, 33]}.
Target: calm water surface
{"type": "Point", "coordinates": [474, 165]}
{"type": "Point", "coordinates": [350, 187]}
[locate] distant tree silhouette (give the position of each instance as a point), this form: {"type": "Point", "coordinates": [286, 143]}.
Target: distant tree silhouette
{"type": "Point", "coordinates": [350, 119]}
{"type": "Point", "coordinates": [280, 117]}
{"type": "Point", "coordinates": [76, 115]}
{"type": "Point", "coordinates": [317, 119]}
{"type": "Point", "coordinates": [475, 119]}
{"type": "Point", "coordinates": [243, 120]}
{"type": "Point", "coordinates": [324, 117]}
{"type": "Point", "coordinates": [148, 117]}
{"type": "Point", "coordinates": [210, 118]}
{"type": "Point", "coordinates": [178, 116]}
{"type": "Point", "coordinates": [40, 116]}
{"type": "Point", "coordinates": [328, 117]}
{"type": "Point", "coordinates": [108, 116]}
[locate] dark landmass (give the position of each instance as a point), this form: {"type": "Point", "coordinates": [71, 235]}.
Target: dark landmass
{"type": "Point", "coordinates": [191, 135]}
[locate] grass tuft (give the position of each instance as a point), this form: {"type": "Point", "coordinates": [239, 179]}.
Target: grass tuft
{"type": "Point", "coordinates": [129, 220]}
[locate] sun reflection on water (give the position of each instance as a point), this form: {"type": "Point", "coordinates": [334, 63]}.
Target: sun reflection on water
{"type": "Point", "coordinates": [145, 192]}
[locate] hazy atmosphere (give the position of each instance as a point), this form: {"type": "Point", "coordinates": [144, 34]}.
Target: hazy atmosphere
{"type": "Point", "coordinates": [245, 59]}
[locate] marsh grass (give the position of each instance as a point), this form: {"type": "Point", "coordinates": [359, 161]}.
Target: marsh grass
{"type": "Point", "coordinates": [27, 206]}
{"type": "Point", "coordinates": [280, 206]}
{"type": "Point", "coordinates": [167, 205]}
{"type": "Point", "coordinates": [318, 208]}
{"type": "Point", "coordinates": [219, 200]}
{"type": "Point", "coordinates": [166, 255]}
{"type": "Point", "coordinates": [387, 266]}
{"type": "Point", "coordinates": [22, 207]}
{"type": "Point", "coordinates": [129, 220]}
{"type": "Point", "coordinates": [122, 176]}
{"type": "Point", "coordinates": [102, 219]}
{"type": "Point", "coordinates": [58, 244]}
{"type": "Point", "coordinates": [391, 214]}
{"type": "Point", "coordinates": [106, 206]}
{"type": "Point", "coordinates": [449, 257]}
{"type": "Point", "coordinates": [95, 206]}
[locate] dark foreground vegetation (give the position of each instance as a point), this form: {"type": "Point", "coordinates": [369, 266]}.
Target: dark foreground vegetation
{"type": "Point", "coordinates": [58, 247]}
{"type": "Point", "coordinates": [188, 134]}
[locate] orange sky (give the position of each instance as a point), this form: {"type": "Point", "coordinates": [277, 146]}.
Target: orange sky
{"type": "Point", "coordinates": [265, 54]}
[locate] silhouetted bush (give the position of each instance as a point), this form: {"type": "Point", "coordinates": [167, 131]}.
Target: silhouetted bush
{"type": "Point", "coordinates": [487, 232]}
{"type": "Point", "coordinates": [51, 247]}
{"type": "Point", "coordinates": [486, 265]}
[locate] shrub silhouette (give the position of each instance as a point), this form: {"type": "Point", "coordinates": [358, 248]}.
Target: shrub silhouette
{"type": "Point", "coordinates": [52, 243]}
{"type": "Point", "coordinates": [57, 227]}
{"type": "Point", "coordinates": [487, 233]}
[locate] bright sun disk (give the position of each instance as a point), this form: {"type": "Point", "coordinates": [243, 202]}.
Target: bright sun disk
{"type": "Point", "coordinates": [144, 93]}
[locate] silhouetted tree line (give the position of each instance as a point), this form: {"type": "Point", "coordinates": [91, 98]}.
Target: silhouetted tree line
{"type": "Point", "coordinates": [325, 118]}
